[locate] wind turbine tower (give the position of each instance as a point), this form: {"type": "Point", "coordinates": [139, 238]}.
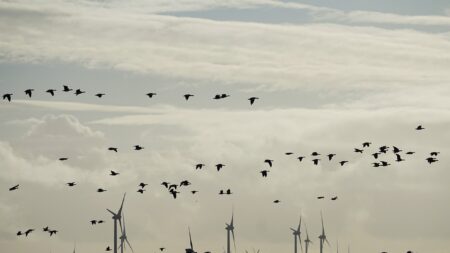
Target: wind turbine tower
{"type": "Point", "coordinates": [307, 240]}
{"type": "Point", "coordinates": [190, 250]}
{"type": "Point", "coordinates": [296, 233]}
{"type": "Point", "coordinates": [322, 237]}
{"type": "Point", "coordinates": [230, 230]}
{"type": "Point", "coordinates": [117, 217]}
{"type": "Point", "coordinates": [123, 237]}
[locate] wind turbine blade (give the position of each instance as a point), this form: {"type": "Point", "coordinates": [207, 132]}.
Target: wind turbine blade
{"type": "Point", "coordinates": [300, 223]}
{"type": "Point", "coordinates": [301, 245]}
{"type": "Point", "coordinates": [321, 218]}
{"type": "Point", "coordinates": [326, 240]}
{"type": "Point", "coordinates": [126, 239]}
{"type": "Point", "coordinates": [293, 230]}
{"type": "Point", "coordinates": [111, 212]}
{"type": "Point", "coordinates": [120, 224]}
{"type": "Point", "coordinates": [121, 206]}
{"type": "Point", "coordinates": [190, 238]}
{"type": "Point", "coordinates": [234, 241]}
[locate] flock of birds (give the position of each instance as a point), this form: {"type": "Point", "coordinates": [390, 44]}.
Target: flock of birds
{"type": "Point", "coordinates": [77, 92]}
{"type": "Point", "coordinates": [174, 189]}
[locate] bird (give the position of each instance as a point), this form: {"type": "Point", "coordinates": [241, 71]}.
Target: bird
{"type": "Point", "coordinates": [316, 161]}
{"type": "Point", "coordinates": [276, 201]}
{"type": "Point", "coordinates": [151, 94]}
{"type": "Point", "coordinates": [63, 158]}
{"type": "Point", "coordinates": [399, 158]}
{"type": "Point", "coordinates": [357, 150]}
{"type": "Point", "coordinates": [376, 164]}
{"type": "Point", "coordinates": [28, 231]}
{"type": "Point", "coordinates": [194, 192]}
{"type": "Point", "coordinates": [288, 153]}
{"type": "Point", "coordinates": [420, 127]}
{"type": "Point", "coordinates": [113, 173]}
{"type": "Point", "coordinates": [108, 248]}
{"type": "Point", "coordinates": [219, 166]}
{"type": "Point", "coordinates": [396, 150]}
{"type": "Point", "coordinates": [334, 198]}
{"type": "Point", "coordinates": [330, 156]}
{"type": "Point", "coordinates": [101, 190]}
{"type": "Point", "coordinates": [52, 232]}
{"type": "Point", "coordinates": [15, 187]}
{"type": "Point", "coordinates": [384, 149]}
{"type": "Point", "coordinates": [343, 162]}
{"type": "Point", "coordinates": [185, 183]}
{"type": "Point", "coordinates": [300, 158]}
{"type": "Point", "coordinates": [19, 233]}
{"type": "Point", "coordinates": [100, 221]}
{"type": "Point", "coordinates": [51, 91]}
{"type": "Point", "coordinates": [174, 186]}
{"type": "Point", "coordinates": [7, 96]}
{"type": "Point", "coordinates": [431, 160]}
{"type": "Point", "coordinates": [252, 100]}
{"type": "Point", "coordinates": [187, 96]}
{"type": "Point", "coordinates": [142, 185]}
{"type": "Point", "coordinates": [79, 92]}
{"type": "Point", "coordinates": [366, 144]}
{"type": "Point", "coordinates": [29, 92]}
{"type": "Point", "coordinates": [161, 249]}
{"type": "Point", "coordinates": [113, 149]}
{"type": "Point", "coordinates": [269, 162]}
{"type": "Point", "coordinates": [229, 192]}
{"type": "Point", "coordinates": [320, 197]}
{"type": "Point", "coordinates": [99, 95]}
{"type": "Point", "coordinates": [221, 192]}
{"type": "Point", "coordinates": [410, 152]}
{"type": "Point", "coordinates": [199, 166]}
{"type": "Point", "coordinates": [434, 153]}
{"type": "Point", "coordinates": [45, 229]}
{"type": "Point", "coordinates": [66, 88]}
{"type": "Point", "coordinates": [264, 173]}
{"type": "Point", "coordinates": [166, 184]}
{"type": "Point", "coordinates": [93, 222]}
{"type": "Point", "coordinates": [137, 147]}
{"type": "Point", "coordinates": [375, 155]}
{"type": "Point", "coordinates": [174, 193]}
{"type": "Point", "coordinates": [70, 184]}
{"type": "Point", "coordinates": [141, 191]}
{"type": "Point", "coordinates": [384, 163]}
{"type": "Point", "coordinates": [315, 153]}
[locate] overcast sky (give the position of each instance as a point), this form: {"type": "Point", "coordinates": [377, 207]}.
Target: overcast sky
{"type": "Point", "coordinates": [330, 75]}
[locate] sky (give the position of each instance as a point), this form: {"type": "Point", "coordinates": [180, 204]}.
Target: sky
{"type": "Point", "coordinates": [329, 75]}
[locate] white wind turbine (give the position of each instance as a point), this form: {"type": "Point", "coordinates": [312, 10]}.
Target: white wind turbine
{"type": "Point", "coordinates": [296, 234]}
{"type": "Point", "coordinates": [123, 238]}
{"type": "Point", "coordinates": [322, 237]}
{"type": "Point", "coordinates": [307, 240]}
{"type": "Point", "coordinates": [117, 217]}
{"type": "Point", "coordinates": [230, 229]}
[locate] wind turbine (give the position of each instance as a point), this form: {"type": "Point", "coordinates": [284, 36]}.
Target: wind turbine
{"type": "Point", "coordinates": [296, 234]}
{"type": "Point", "coordinates": [123, 237]}
{"type": "Point", "coordinates": [230, 228]}
{"type": "Point", "coordinates": [322, 237]}
{"type": "Point", "coordinates": [117, 217]}
{"type": "Point", "coordinates": [190, 250]}
{"type": "Point", "coordinates": [307, 240]}
{"type": "Point", "coordinates": [337, 246]}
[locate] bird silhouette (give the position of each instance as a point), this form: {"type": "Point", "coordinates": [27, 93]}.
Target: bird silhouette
{"type": "Point", "coordinates": [151, 94]}
{"type": "Point", "coordinates": [288, 153]}
{"type": "Point", "coordinates": [28, 231]}
{"type": "Point", "coordinates": [252, 100]}
{"type": "Point", "coordinates": [384, 163]}
{"type": "Point", "coordinates": [376, 164]}
{"type": "Point", "coordinates": [375, 155]}
{"type": "Point", "coordinates": [300, 158]}
{"type": "Point", "coordinates": [366, 144]}
{"type": "Point", "coordinates": [396, 150]}
{"type": "Point", "coordinates": [29, 92]}
{"type": "Point", "coordinates": [399, 158]}
{"type": "Point", "coordinates": [108, 248]}
{"type": "Point", "coordinates": [19, 233]}
{"type": "Point", "coordinates": [173, 186]}
{"type": "Point", "coordinates": [52, 232]}
{"type": "Point", "coordinates": [79, 92]}
{"type": "Point", "coordinates": [101, 190]}
{"type": "Point", "coordinates": [113, 173]}
{"type": "Point", "coordinates": [343, 162]}
{"type": "Point", "coordinates": [315, 153]}
{"type": "Point", "coordinates": [15, 187]}
{"type": "Point", "coordinates": [174, 193]}
{"type": "Point", "coordinates": [383, 149]}
{"type": "Point", "coordinates": [137, 147]}
{"type": "Point", "coordinates": [7, 96]}
{"type": "Point", "coordinates": [113, 149]}
{"type": "Point", "coordinates": [161, 249]}
{"type": "Point", "coordinates": [185, 183]}
{"type": "Point", "coordinates": [420, 127]}
{"type": "Point", "coordinates": [199, 166]}
{"type": "Point", "coordinates": [316, 161]}
{"type": "Point", "coordinates": [269, 162]}
{"type": "Point", "coordinates": [221, 192]}
{"type": "Point", "coordinates": [330, 156]}
{"type": "Point", "coordinates": [357, 150]}
{"type": "Point", "coordinates": [45, 229]}
{"type": "Point", "coordinates": [334, 198]}
{"type": "Point", "coordinates": [51, 91]}
{"type": "Point", "coordinates": [320, 197]}
{"type": "Point", "coordinates": [187, 96]}
{"type": "Point", "coordinates": [431, 160]}
{"type": "Point", "coordinates": [100, 95]}
{"type": "Point", "coordinates": [410, 152]}
{"type": "Point", "coordinates": [229, 192]}
{"type": "Point", "coordinates": [434, 153]}
{"type": "Point", "coordinates": [166, 184]}
{"type": "Point", "coordinates": [141, 191]}
{"type": "Point", "coordinates": [71, 184]}
{"type": "Point", "coordinates": [93, 222]}
{"type": "Point", "coordinates": [219, 166]}
{"type": "Point", "coordinates": [66, 88]}
{"type": "Point", "coordinates": [142, 185]}
{"type": "Point", "coordinates": [264, 173]}
{"type": "Point", "coordinates": [276, 201]}
{"type": "Point", "coordinates": [194, 192]}
{"type": "Point", "coordinates": [100, 221]}
{"type": "Point", "coordinates": [63, 158]}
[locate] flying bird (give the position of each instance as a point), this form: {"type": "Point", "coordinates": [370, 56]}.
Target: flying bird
{"type": "Point", "coordinates": [375, 155]}
{"type": "Point", "coordinates": [166, 184]}
{"type": "Point", "coordinates": [330, 156]}
{"type": "Point", "coordinates": [161, 249]}
{"type": "Point", "coordinates": [199, 166]}
{"type": "Point", "coordinates": [320, 197]}
{"type": "Point", "coordinates": [252, 100]}
{"type": "Point", "coordinates": [100, 221]}
{"type": "Point", "coordinates": [137, 147]}
{"type": "Point", "coordinates": [384, 163]}
{"type": "Point", "coordinates": [366, 144]}
{"type": "Point", "coordinates": [219, 166]}
{"type": "Point", "coordinates": [229, 192]}
{"type": "Point", "coordinates": [174, 193]}
{"type": "Point", "coordinates": [187, 96]}
{"type": "Point", "coordinates": [101, 190]}
{"type": "Point", "coordinates": [63, 158]}
{"type": "Point", "coordinates": [410, 152]}
{"type": "Point", "coordinates": [100, 95]}
{"type": "Point", "coordinates": [343, 162]}
{"type": "Point", "coordinates": [28, 231]}
{"type": "Point", "coordinates": [288, 153]}
{"type": "Point", "coordinates": [29, 92]}
{"type": "Point", "coordinates": [185, 183]}
{"type": "Point", "coordinates": [142, 185]}
{"type": "Point", "coordinates": [264, 173]}
{"type": "Point", "coordinates": [434, 153]}
{"type": "Point", "coordinates": [334, 198]}
{"type": "Point", "coordinates": [19, 233]}
{"type": "Point", "coordinates": [420, 127]}
{"type": "Point", "coordinates": [268, 161]}
{"type": "Point", "coordinates": [276, 201]}
{"type": "Point", "coordinates": [194, 192]}
{"type": "Point", "coordinates": [108, 249]}
{"type": "Point", "coordinates": [113, 173]}
{"type": "Point", "coordinates": [376, 164]}
{"type": "Point", "coordinates": [357, 150]}
{"type": "Point", "coordinates": [52, 232]}
{"type": "Point", "coordinates": [51, 91]}
{"type": "Point", "coordinates": [396, 150]}
{"type": "Point", "coordinates": [70, 184]}
{"type": "Point", "coordinates": [93, 222]}
{"type": "Point", "coordinates": [141, 191]}
{"type": "Point", "coordinates": [66, 88]}
{"type": "Point", "coordinates": [431, 160]}
{"type": "Point", "coordinates": [151, 94]}
{"type": "Point", "coordinates": [7, 96]}
{"type": "Point", "coordinates": [399, 158]}
{"type": "Point", "coordinates": [316, 161]}
{"type": "Point", "coordinates": [315, 153]}
{"type": "Point", "coordinates": [15, 187]}
{"type": "Point", "coordinates": [300, 158]}
{"type": "Point", "coordinates": [45, 229]}
{"type": "Point", "coordinates": [79, 92]}
{"type": "Point", "coordinates": [113, 149]}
